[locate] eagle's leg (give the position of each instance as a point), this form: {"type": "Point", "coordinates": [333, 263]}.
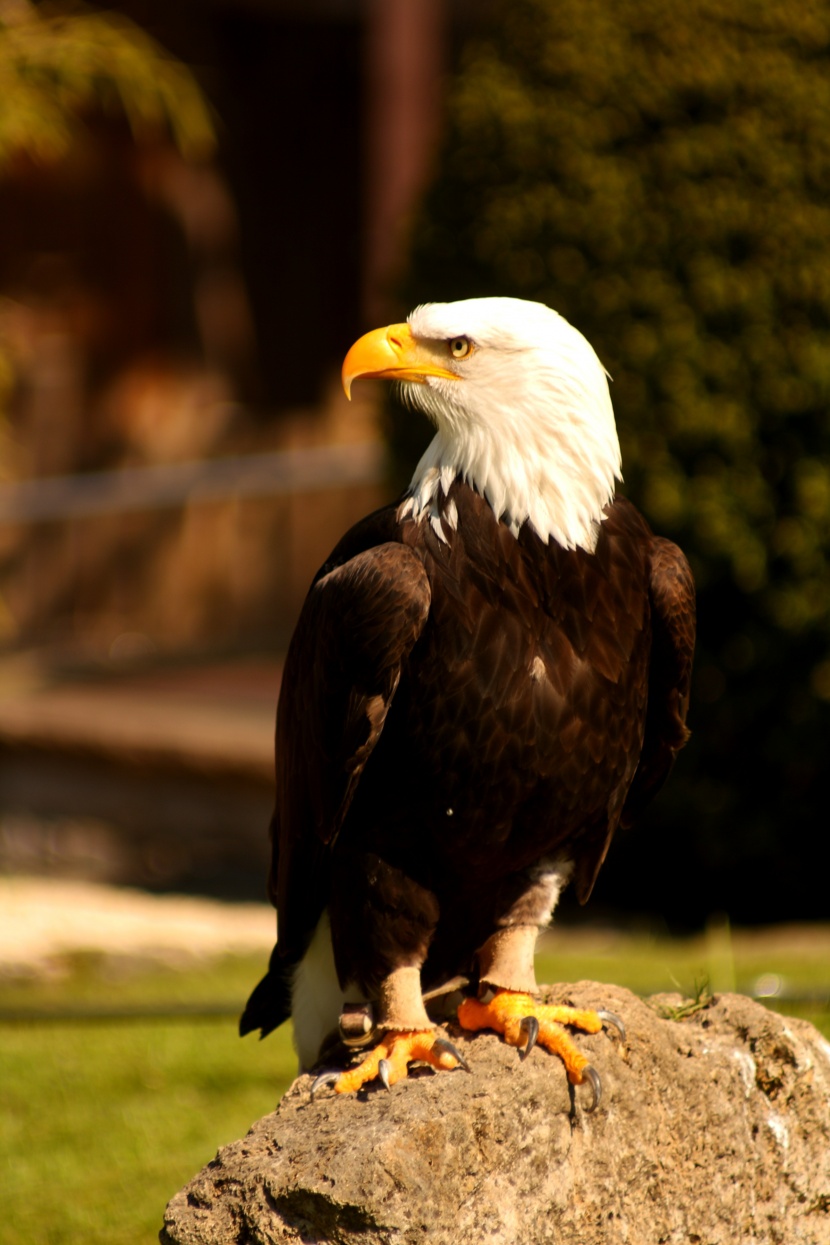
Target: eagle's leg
{"type": "Point", "coordinates": [507, 976]}
{"type": "Point", "coordinates": [409, 1035]}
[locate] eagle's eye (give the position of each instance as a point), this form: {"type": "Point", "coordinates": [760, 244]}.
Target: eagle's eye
{"type": "Point", "coordinates": [460, 347]}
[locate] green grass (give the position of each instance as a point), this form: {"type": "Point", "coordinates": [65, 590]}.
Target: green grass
{"type": "Point", "coordinates": [797, 958]}
{"type": "Point", "coordinates": [102, 1122]}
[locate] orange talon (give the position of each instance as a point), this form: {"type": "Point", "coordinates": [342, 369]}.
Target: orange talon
{"type": "Point", "coordinates": [508, 1013]}
{"type": "Point", "coordinates": [389, 1060]}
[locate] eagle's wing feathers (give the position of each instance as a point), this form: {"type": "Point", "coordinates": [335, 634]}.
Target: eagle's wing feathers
{"type": "Point", "coordinates": [364, 615]}
{"type": "Point", "coordinates": [672, 594]}
{"type": "Point", "coordinates": [361, 618]}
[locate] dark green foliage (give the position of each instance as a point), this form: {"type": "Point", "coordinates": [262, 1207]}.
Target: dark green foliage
{"type": "Point", "coordinates": [660, 174]}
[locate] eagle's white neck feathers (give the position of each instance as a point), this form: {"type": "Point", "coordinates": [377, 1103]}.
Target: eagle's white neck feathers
{"type": "Point", "coordinates": [528, 424]}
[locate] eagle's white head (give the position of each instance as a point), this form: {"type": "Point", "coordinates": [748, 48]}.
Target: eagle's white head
{"type": "Point", "coordinates": [521, 406]}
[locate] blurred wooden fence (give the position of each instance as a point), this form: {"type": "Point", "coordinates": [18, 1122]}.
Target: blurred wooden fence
{"type": "Point", "coordinates": [158, 774]}
{"type": "Point", "coordinates": [190, 555]}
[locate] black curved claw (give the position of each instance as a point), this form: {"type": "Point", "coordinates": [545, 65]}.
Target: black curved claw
{"type": "Point", "coordinates": [592, 1076]}
{"type": "Point", "coordinates": [384, 1068]}
{"type": "Point", "coordinates": [443, 1044]}
{"type": "Point", "coordinates": [530, 1026]}
{"type": "Point", "coordinates": [325, 1078]}
{"type": "Point", "coordinates": [611, 1018]}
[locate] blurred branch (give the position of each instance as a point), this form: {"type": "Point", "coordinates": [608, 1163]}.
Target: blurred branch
{"type": "Point", "coordinates": [55, 65]}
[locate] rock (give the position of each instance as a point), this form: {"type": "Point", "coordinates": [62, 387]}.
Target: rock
{"type": "Point", "coordinates": [713, 1128]}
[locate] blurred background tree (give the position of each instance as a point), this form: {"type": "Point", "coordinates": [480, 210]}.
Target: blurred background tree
{"type": "Point", "coordinates": [659, 173]}
{"type": "Point", "coordinates": [58, 66]}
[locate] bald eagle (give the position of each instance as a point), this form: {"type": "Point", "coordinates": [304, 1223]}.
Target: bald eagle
{"type": "Point", "coordinates": [488, 676]}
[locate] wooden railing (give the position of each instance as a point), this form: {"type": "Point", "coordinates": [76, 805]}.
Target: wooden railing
{"type": "Point", "coordinates": [170, 485]}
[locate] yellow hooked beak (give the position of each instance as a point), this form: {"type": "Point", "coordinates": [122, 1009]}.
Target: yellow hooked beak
{"type": "Point", "coordinates": [393, 353]}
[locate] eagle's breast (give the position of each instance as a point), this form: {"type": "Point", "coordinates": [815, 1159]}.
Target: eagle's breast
{"type": "Point", "coordinates": [522, 706]}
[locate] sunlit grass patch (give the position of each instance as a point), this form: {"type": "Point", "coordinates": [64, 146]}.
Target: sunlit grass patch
{"type": "Point", "coordinates": [101, 1123]}
{"type": "Point", "coordinates": [789, 966]}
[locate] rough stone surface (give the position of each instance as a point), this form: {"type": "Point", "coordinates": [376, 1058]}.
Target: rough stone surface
{"type": "Point", "coordinates": [713, 1129]}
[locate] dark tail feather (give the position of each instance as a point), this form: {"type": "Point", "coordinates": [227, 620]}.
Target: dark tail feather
{"type": "Point", "coordinates": [270, 1001]}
